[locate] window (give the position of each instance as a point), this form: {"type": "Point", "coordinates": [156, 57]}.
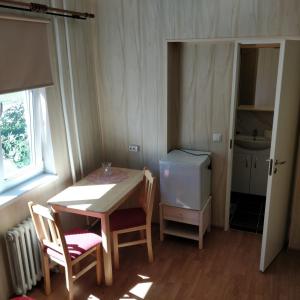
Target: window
{"type": "Point", "coordinates": [23, 136]}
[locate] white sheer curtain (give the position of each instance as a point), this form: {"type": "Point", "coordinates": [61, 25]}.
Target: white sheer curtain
{"type": "Point", "coordinates": [77, 80]}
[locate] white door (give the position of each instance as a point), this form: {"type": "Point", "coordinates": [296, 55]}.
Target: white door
{"type": "Point", "coordinates": [285, 124]}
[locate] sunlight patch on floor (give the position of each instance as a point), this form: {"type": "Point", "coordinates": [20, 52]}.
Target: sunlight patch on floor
{"type": "Point", "coordinates": [141, 289]}
{"type": "Point", "coordinates": [127, 297]}
{"type": "Point", "coordinates": [92, 297]}
{"type": "Point", "coordinates": [143, 276]}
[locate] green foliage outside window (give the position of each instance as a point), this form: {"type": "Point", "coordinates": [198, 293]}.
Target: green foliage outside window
{"type": "Point", "coordinates": [14, 136]}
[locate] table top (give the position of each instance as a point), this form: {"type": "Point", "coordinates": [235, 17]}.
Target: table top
{"type": "Point", "coordinates": [97, 192]}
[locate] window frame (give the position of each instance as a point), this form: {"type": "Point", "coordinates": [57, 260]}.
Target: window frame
{"type": "Point", "coordinates": [38, 120]}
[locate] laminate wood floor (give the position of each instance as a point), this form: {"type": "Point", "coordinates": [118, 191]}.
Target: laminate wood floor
{"type": "Point", "coordinates": [227, 268]}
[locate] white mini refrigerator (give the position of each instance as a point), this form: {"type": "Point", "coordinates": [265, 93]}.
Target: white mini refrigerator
{"type": "Point", "coordinates": [185, 178]}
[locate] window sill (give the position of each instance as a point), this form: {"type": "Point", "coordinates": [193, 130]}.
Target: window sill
{"type": "Point", "coordinates": [12, 195]}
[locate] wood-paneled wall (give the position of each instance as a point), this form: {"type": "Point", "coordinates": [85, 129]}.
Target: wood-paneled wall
{"type": "Point", "coordinates": [131, 44]}
{"type": "Point", "coordinates": [203, 101]}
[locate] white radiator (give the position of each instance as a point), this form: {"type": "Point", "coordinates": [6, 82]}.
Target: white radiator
{"type": "Point", "coordinates": [24, 256]}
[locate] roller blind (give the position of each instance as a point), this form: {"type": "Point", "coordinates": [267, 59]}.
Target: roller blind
{"type": "Point", "coordinates": [24, 54]}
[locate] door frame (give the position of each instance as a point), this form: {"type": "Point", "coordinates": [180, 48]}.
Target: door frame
{"type": "Point", "coordinates": [233, 104]}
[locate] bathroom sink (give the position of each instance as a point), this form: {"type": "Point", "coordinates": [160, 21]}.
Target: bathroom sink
{"type": "Point", "coordinates": [252, 143]}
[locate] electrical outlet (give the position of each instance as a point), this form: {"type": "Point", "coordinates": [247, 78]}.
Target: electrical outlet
{"type": "Point", "coordinates": [134, 148]}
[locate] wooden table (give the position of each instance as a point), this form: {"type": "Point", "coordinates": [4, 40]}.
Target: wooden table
{"type": "Point", "coordinates": [97, 195]}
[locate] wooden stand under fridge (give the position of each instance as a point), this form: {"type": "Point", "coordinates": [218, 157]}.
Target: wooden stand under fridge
{"type": "Point", "coordinates": [184, 222]}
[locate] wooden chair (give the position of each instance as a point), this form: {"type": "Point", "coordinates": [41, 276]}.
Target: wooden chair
{"type": "Point", "coordinates": [135, 219]}
{"type": "Point", "coordinates": [66, 249]}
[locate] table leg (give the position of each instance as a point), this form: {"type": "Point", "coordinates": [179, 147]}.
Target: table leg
{"type": "Point", "coordinates": [106, 245]}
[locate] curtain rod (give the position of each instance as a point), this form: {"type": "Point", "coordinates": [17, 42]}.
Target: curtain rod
{"type": "Point", "coordinates": [44, 9]}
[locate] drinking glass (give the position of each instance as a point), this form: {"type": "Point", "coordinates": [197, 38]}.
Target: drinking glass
{"type": "Point", "coordinates": [106, 168]}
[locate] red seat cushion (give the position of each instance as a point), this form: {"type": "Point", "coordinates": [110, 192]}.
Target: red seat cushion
{"type": "Point", "coordinates": [127, 218]}
{"type": "Point", "coordinates": [78, 242]}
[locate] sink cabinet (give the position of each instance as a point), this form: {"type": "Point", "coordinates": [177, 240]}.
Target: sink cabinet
{"type": "Point", "coordinates": [250, 171]}
{"type": "Point", "coordinates": [241, 169]}
{"type": "Point", "coordinates": [259, 173]}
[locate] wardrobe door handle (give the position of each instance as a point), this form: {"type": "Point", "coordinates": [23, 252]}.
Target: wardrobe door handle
{"type": "Point", "coordinates": [255, 160]}
{"type": "Point", "coordinates": [246, 162]}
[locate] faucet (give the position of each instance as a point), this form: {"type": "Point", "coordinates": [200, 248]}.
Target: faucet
{"type": "Point", "coordinates": [254, 133]}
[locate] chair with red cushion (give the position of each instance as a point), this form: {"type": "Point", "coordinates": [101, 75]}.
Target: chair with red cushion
{"type": "Point", "coordinates": [135, 219]}
{"type": "Point", "coordinates": [66, 249]}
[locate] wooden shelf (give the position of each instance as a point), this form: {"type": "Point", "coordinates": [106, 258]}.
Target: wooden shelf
{"type": "Point", "coordinates": [182, 230]}
{"type": "Point", "coordinates": [255, 108]}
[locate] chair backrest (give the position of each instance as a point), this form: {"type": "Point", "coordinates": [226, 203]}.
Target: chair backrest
{"type": "Point", "coordinates": [48, 229]}
{"type": "Point", "coordinates": [148, 194]}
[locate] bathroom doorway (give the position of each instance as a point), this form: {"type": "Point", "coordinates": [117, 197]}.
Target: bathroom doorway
{"type": "Point", "coordinates": [258, 66]}
{"type": "Point", "coordinates": [269, 174]}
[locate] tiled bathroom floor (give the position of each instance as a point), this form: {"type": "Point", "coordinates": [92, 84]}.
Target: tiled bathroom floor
{"type": "Point", "coordinates": [247, 212]}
